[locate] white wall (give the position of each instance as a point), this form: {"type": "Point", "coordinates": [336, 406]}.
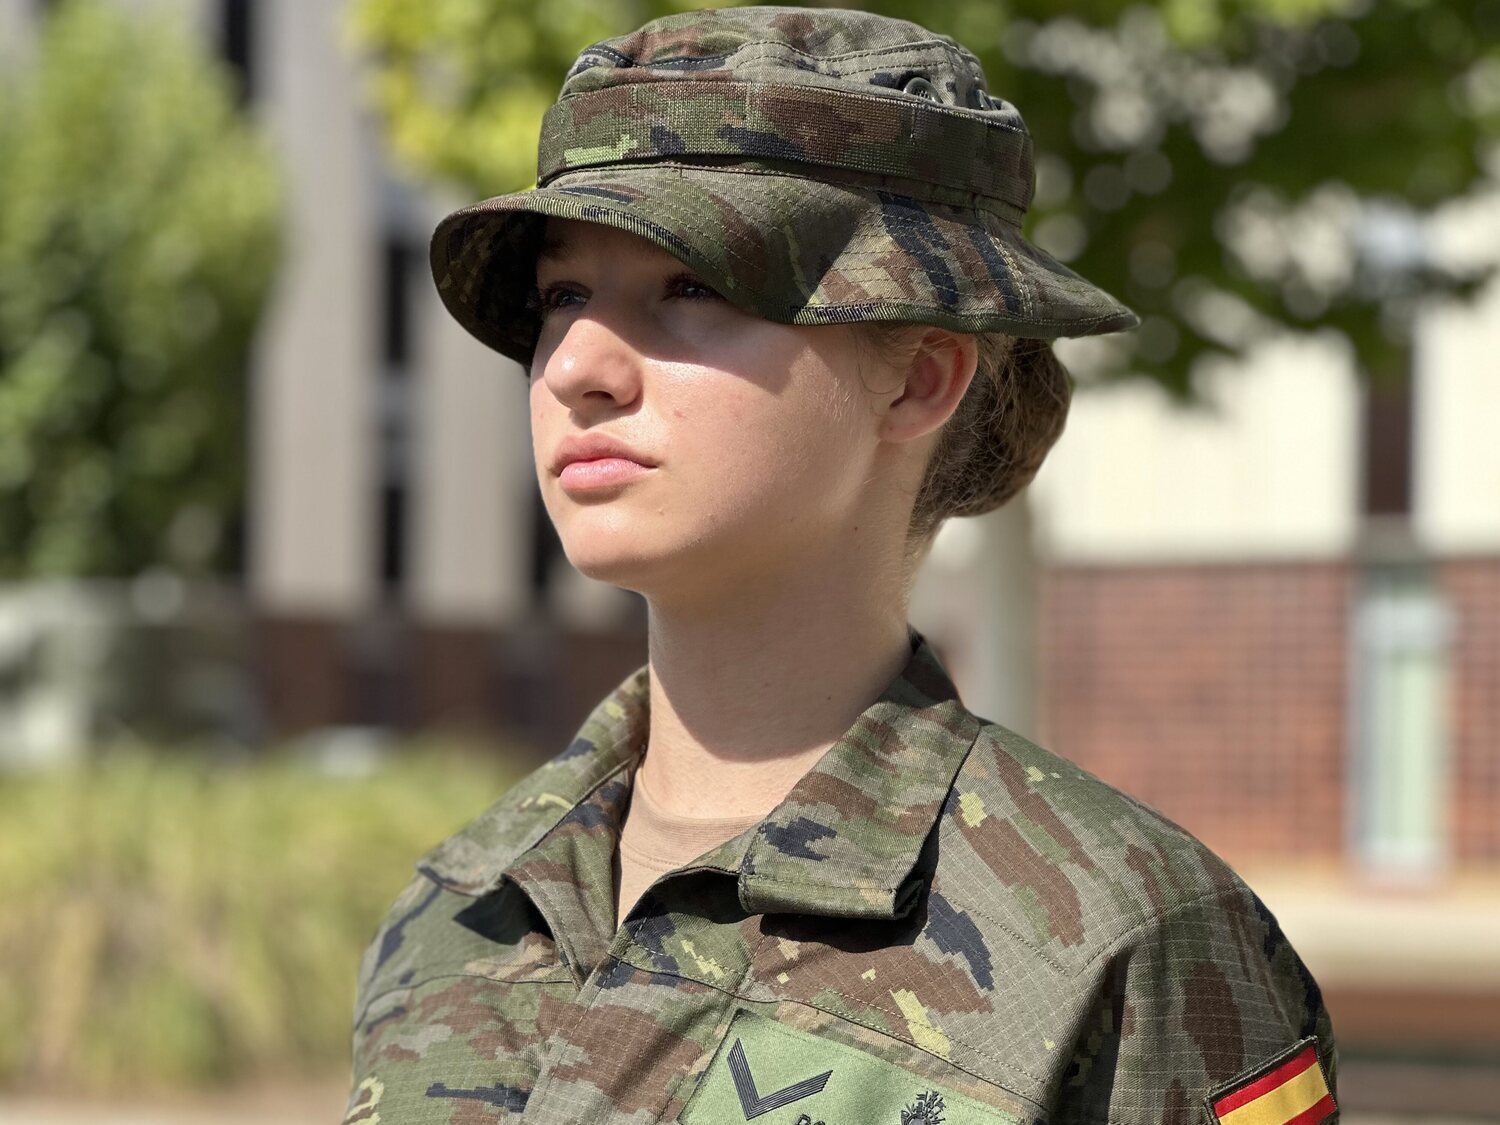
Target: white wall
{"type": "Point", "coordinates": [1269, 470]}
{"type": "Point", "coordinates": [1457, 449]}
{"type": "Point", "coordinates": [472, 525]}
{"type": "Point", "coordinates": [313, 453]}
{"type": "Point", "coordinates": [15, 31]}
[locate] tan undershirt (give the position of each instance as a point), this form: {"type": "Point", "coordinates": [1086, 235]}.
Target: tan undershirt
{"type": "Point", "coordinates": [654, 841]}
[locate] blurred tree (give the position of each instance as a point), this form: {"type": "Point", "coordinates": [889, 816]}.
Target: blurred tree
{"type": "Point", "coordinates": [139, 233]}
{"type": "Point", "coordinates": [1226, 167]}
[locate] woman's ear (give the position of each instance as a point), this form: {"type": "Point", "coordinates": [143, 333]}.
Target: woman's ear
{"type": "Point", "coordinates": [937, 376]}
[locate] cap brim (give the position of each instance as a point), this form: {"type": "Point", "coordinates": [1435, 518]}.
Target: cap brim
{"type": "Point", "coordinates": [787, 248]}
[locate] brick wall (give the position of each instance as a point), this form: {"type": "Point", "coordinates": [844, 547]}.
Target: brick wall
{"type": "Point", "coordinates": [1215, 693]}
{"type": "Point", "coordinates": [1218, 694]}
{"type": "Point", "coordinates": [1473, 589]}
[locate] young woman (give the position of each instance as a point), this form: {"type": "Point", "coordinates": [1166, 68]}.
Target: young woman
{"type": "Point", "coordinates": [779, 323]}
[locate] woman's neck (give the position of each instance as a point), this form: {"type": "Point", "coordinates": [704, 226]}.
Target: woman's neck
{"type": "Point", "coordinates": [741, 710]}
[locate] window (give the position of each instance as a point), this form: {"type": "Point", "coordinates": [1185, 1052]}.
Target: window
{"type": "Point", "coordinates": [1400, 722]}
{"type": "Point", "coordinates": [395, 408]}
{"type": "Point", "coordinates": [237, 35]}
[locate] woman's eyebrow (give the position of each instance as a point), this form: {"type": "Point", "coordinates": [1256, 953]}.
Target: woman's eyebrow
{"type": "Point", "coordinates": [554, 249]}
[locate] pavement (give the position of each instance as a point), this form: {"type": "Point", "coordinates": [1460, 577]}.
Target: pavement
{"type": "Point", "coordinates": [311, 1104]}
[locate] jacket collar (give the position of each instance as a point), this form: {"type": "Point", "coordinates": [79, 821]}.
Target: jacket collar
{"type": "Point", "coordinates": [845, 841]}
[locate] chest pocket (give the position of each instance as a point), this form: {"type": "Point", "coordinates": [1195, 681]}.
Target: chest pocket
{"type": "Point", "coordinates": [430, 932]}
{"type": "Point", "coordinates": [450, 1012]}
{"type": "Point", "coordinates": [765, 1070]}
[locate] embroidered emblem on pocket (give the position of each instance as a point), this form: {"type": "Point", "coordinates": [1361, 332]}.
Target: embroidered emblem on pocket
{"type": "Point", "coordinates": [762, 1065]}
{"type": "Point", "coordinates": [926, 1110]}
{"type": "Point", "coordinates": [753, 1103]}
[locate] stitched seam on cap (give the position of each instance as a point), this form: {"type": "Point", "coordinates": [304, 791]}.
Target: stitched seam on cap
{"type": "Point", "coordinates": [913, 304]}
{"type": "Point", "coordinates": [962, 113]}
{"type": "Point", "coordinates": [1022, 281]}
{"type": "Point", "coordinates": [974, 200]}
{"type": "Point", "coordinates": [784, 45]}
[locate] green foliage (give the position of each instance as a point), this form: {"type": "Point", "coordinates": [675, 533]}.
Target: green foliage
{"type": "Point", "coordinates": [139, 233]}
{"type": "Point", "coordinates": [1159, 127]}
{"type": "Point", "coordinates": [463, 84]}
{"type": "Point", "coordinates": [1219, 186]}
{"type": "Point", "coordinates": [171, 923]}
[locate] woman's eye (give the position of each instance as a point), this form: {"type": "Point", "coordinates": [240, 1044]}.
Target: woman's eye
{"type": "Point", "coordinates": [688, 281]}
{"type": "Point", "coordinates": [546, 298]}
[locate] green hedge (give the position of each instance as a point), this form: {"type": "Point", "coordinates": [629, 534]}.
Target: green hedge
{"type": "Point", "coordinates": [167, 922]}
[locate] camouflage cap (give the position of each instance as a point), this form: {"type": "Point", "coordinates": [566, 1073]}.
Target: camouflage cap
{"type": "Point", "coordinates": [815, 165]}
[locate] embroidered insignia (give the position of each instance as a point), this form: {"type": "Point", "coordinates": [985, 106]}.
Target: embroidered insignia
{"type": "Point", "coordinates": [753, 1103]}
{"type": "Point", "coordinates": [878, 1084]}
{"type": "Point", "coordinates": [1287, 1089]}
{"type": "Point", "coordinates": [926, 1110]}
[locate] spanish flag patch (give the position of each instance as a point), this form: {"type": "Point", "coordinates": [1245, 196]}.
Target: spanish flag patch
{"type": "Point", "coordinates": [1287, 1089]}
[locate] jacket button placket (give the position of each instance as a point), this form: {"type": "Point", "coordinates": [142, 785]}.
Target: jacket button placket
{"type": "Point", "coordinates": [547, 1106]}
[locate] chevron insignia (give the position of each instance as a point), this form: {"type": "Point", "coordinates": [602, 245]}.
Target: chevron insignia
{"type": "Point", "coordinates": [753, 1102]}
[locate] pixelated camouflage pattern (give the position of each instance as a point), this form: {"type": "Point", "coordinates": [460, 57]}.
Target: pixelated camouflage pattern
{"type": "Point", "coordinates": [937, 892]}
{"type": "Point", "coordinates": [887, 135]}
{"type": "Point", "coordinates": [815, 165]}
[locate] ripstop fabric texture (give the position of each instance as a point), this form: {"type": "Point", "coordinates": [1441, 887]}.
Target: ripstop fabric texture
{"type": "Point", "coordinates": [954, 923]}
{"type": "Point", "coordinates": [815, 165]}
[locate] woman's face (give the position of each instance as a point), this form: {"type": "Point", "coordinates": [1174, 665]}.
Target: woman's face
{"type": "Point", "coordinates": [763, 436]}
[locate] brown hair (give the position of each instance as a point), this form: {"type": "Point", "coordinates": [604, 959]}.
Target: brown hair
{"type": "Point", "coordinates": [996, 439]}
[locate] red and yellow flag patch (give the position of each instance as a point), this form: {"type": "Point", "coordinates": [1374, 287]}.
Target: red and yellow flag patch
{"type": "Point", "coordinates": [1287, 1089]}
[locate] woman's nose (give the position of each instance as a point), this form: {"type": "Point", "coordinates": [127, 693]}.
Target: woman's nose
{"type": "Point", "coordinates": [594, 352]}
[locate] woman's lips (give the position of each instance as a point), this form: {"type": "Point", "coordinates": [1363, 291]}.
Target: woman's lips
{"type": "Point", "coordinates": [604, 472]}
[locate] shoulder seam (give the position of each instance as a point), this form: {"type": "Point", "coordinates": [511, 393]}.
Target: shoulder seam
{"type": "Point", "coordinates": [1156, 919]}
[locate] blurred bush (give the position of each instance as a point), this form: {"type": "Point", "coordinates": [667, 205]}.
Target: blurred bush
{"type": "Point", "coordinates": [139, 234]}
{"type": "Point", "coordinates": [170, 923]}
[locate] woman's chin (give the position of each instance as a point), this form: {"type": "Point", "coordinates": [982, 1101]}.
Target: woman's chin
{"type": "Point", "coordinates": [655, 570]}
{"type": "Point", "coordinates": [609, 559]}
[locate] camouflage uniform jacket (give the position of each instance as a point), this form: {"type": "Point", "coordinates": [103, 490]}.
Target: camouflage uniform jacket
{"type": "Point", "coordinates": [943, 923]}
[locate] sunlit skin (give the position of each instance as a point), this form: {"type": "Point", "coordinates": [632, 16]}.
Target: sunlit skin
{"type": "Point", "coordinates": [768, 541]}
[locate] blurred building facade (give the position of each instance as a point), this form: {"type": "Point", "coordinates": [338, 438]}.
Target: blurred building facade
{"type": "Point", "coordinates": [1277, 619]}
{"type": "Point", "coordinates": [397, 571]}
{"type": "Point", "coordinates": [1305, 576]}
